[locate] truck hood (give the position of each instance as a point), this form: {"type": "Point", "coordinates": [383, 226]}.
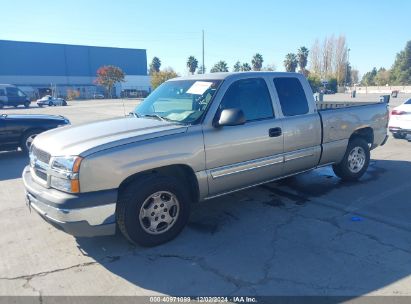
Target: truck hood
{"type": "Point", "coordinates": [89, 138]}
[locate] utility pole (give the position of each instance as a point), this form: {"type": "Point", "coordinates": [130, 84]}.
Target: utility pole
{"type": "Point", "coordinates": [346, 68]}
{"type": "Point", "coordinates": [203, 69]}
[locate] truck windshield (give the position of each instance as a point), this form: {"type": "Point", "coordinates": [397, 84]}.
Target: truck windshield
{"type": "Point", "coordinates": [183, 101]}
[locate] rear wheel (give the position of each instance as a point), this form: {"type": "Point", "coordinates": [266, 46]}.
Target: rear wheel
{"type": "Point", "coordinates": [399, 135]}
{"type": "Point", "coordinates": [27, 140]}
{"type": "Point", "coordinates": [355, 161]}
{"type": "Point", "coordinates": [27, 104]}
{"type": "Point", "coordinates": [152, 210]}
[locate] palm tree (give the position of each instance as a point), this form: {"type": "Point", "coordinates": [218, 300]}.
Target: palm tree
{"type": "Point", "coordinates": [192, 64]}
{"type": "Point", "coordinates": [237, 67]}
{"type": "Point", "coordinates": [302, 57]}
{"type": "Point", "coordinates": [155, 65]}
{"type": "Point", "coordinates": [220, 66]}
{"type": "Point", "coordinates": [245, 67]}
{"type": "Point", "coordinates": [290, 62]}
{"type": "Point", "coordinates": [257, 62]}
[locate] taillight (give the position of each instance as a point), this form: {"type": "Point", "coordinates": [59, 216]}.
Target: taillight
{"type": "Point", "coordinates": [397, 112]}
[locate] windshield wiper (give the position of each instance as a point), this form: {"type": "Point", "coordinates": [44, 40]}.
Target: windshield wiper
{"type": "Point", "coordinates": [157, 116]}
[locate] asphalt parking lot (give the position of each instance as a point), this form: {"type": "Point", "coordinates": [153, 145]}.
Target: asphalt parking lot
{"type": "Point", "coordinates": [306, 235]}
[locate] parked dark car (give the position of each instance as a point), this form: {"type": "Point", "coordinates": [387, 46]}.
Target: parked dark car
{"type": "Point", "coordinates": [18, 131]}
{"type": "Point", "coordinates": [12, 96]}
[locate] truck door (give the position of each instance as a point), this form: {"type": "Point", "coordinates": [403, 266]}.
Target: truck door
{"type": "Point", "coordinates": [301, 125]}
{"type": "Point", "coordinates": [243, 155]}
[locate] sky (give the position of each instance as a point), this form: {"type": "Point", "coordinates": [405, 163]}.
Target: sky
{"type": "Point", "coordinates": [234, 30]}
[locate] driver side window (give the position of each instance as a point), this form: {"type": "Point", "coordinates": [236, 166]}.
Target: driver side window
{"type": "Point", "coordinates": [251, 96]}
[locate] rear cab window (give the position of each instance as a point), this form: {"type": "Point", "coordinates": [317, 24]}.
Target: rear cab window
{"type": "Point", "coordinates": [291, 95]}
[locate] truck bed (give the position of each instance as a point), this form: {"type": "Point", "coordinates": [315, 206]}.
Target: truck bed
{"type": "Point", "coordinates": [326, 105]}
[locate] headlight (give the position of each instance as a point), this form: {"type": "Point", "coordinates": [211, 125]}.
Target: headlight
{"type": "Point", "coordinates": [67, 163]}
{"type": "Point", "coordinates": [65, 173]}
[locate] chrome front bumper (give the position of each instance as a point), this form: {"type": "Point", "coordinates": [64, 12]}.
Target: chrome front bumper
{"type": "Point", "coordinates": [59, 208]}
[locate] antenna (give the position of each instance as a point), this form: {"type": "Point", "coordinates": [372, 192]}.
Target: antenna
{"type": "Point", "coordinates": [203, 55]}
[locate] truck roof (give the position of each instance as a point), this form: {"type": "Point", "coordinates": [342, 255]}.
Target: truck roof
{"type": "Point", "coordinates": [222, 76]}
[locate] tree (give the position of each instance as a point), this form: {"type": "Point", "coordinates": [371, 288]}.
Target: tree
{"type": "Point", "coordinates": [220, 66]}
{"type": "Point", "coordinates": [159, 77]}
{"type": "Point", "coordinates": [383, 77]}
{"type": "Point", "coordinates": [155, 65]}
{"type": "Point", "coordinates": [290, 62]}
{"type": "Point", "coordinates": [329, 58]}
{"type": "Point", "coordinates": [237, 67]}
{"type": "Point", "coordinates": [108, 76]}
{"type": "Point", "coordinates": [201, 70]}
{"type": "Point", "coordinates": [257, 62]}
{"type": "Point", "coordinates": [192, 64]}
{"type": "Point", "coordinates": [354, 76]}
{"type": "Point", "coordinates": [315, 82]}
{"type": "Point", "coordinates": [245, 67]}
{"type": "Point", "coordinates": [302, 57]}
{"type": "Point", "coordinates": [401, 69]}
{"type": "Point", "coordinates": [369, 78]}
{"type": "Point", "coordinates": [269, 67]}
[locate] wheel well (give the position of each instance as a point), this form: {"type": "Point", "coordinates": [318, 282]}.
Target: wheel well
{"type": "Point", "coordinates": [28, 131]}
{"type": "Point", "coordinates": [183, 173]}
{"type": "Point", "coordinates": [364, 133]}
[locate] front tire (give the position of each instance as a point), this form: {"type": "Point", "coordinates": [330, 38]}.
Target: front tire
{"type": "Point", "coordinates": [355, 161]}
{"type": "Point", "coordinates": [152, 210]}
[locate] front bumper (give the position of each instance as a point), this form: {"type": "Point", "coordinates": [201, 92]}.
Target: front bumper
{"type": "Point", "coordinates": [68, 212]}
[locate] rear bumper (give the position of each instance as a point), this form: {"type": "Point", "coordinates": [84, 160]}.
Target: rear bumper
{"type": "Point", "coordinates": [63, 210]}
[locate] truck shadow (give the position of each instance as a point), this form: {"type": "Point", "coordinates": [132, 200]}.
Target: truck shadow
{"type": "Point", "coordinates": [12, 164]}
{"type": "Point", "coordinates": [307, 235]}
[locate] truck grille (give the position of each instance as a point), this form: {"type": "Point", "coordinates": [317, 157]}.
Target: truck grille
{"type": "Point", "coordinates": [41, 155]}
{"type": "Point", "coordinates": [39, 161]}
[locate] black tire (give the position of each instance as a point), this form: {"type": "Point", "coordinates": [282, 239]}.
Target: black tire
{"type": "Point", "coordinates": [50, 103]}
{"type": "Point", "coordinates": [27, 104]}
{"type": "Point", "coordinates": [131, 200]}
{"type": "Point", "coordinates": [1, 105]}
{"type": "Point", "coordinates": [399, 135]}
{"type": "Point", "coordinates": [64, 103]}
{"type": "Point", "coordinates": [344, 170]}
{"type": "Point", "coordinates": [31, 134]}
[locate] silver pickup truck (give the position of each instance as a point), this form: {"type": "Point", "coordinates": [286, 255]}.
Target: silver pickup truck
{"type": "Point", "coordinates": [194, 138]}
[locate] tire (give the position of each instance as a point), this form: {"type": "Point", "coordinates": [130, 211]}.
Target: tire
{"type": "Point", "coordinates": [1, 105]}
{"type": "Point", "coordinates": [138, 212]}
{"type": "Point", "coordinates": [27, 139]}
{"type": "Point", "coordinates": [27, 104]}
{"type": "Point", "coordinates": [399, 135]}
{"type": "Point", "coordinates": [355, 161]}
{"type": "Point", "coordinates": [50, 103]}
{"type": "Point", "coordinates": [16, 106]}
{"type": "Point", "coordinates": [64, 103]}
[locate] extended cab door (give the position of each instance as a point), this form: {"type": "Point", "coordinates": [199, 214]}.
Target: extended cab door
{"type": "Point", "coordinates": [243, 155]}
{"type": "Point", "coordinates": [301, 124]}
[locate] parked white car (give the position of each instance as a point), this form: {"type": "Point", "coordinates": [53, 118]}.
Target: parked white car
{"type": "Point", "coordinates": [51, 101]}
{"type": "Point", "coordinates": [400, 120]}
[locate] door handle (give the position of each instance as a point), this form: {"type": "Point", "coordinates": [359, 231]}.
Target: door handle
{"type": "Point", "coordinates": [274, 132]}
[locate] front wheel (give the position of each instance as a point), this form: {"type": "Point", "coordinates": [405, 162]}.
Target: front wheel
{"type": "Point", "coordinates": [355, 161]}
{"type": "Point", "coordinates": [152, 210]}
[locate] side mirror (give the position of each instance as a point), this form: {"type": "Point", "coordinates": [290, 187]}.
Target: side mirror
{"type": "Point", "coordinates": [230, 117]}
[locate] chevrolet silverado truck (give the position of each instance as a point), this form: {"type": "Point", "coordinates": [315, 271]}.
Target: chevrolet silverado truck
{"type": "Point", "coordinates": [193, 139]}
